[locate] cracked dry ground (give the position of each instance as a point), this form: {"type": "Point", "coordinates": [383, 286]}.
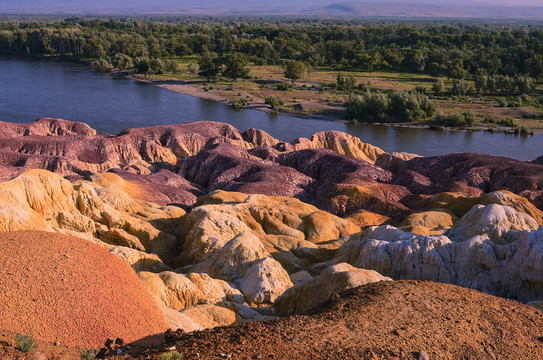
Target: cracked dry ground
{"type": "Point", "coordinates": [386, 320]}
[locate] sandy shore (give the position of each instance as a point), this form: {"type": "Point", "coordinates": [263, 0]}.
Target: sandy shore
{"type": "Point", "coordinates": [192, 90]}
{"type": "Point", "coordinates": [255, 104]}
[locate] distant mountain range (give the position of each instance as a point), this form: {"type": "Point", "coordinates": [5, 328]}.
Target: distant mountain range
{"type": "Point", "coordinates": [317, 8]}
{"type": "Point", "coordinates": [435, 10]}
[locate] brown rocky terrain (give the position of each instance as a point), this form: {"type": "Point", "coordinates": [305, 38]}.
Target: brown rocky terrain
{"type": "Point", "coordinates": [384, 320]}
{"type": "Point", "coordinates": [223, 227]}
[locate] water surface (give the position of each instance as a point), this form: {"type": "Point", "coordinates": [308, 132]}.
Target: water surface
{"type": "Point", "coordinates": [34, 88]}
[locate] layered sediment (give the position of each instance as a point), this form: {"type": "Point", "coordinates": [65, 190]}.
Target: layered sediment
{"type": "Point", "coordinates": [223, 226]}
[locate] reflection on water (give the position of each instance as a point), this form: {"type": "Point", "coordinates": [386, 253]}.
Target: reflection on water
{"type": "Point", "coordinates": [31, 89]}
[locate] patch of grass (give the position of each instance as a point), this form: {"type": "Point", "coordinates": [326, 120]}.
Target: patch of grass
{"type": "Point", "coordinates": [172, 355]}
{"type": "Point", "coordinates": [25, 343]}
{"type": "Point", "coordinates": [188, 58]}
{"type": "Point", "coordinates": [88, 354]}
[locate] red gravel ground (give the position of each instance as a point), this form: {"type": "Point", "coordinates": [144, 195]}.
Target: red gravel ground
{"type": "Point", "coordinates": [386, 320]}
{"type": "Point", "coordinates": [62, 288]}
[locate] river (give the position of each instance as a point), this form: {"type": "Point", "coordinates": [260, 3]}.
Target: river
{"type": "Point", "coordinates": [34, 88]}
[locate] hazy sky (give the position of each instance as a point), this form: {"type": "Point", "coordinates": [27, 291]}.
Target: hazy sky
{"type": "Point", "coordinates": [505, 2]}
{"type": "Point", "coordinates": [225, 6]}
{"type": "Point", "coordinates": [87, 3]}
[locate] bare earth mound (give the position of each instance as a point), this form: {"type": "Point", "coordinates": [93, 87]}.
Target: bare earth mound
{"type": "Point", "coordinates": [62, 288]}
{"type": "Point", "coordinates": [386, 320]}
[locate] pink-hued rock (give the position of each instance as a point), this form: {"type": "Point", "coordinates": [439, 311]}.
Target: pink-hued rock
{"type": "Point", "coordinates": [70, 148]}
{"type": "Point", "coordinates": [484, 172]}
{"type": "Point", "coordinates": [46, 127]}
{"type": "Point", "coordinates": [227, 167]}
{"type": "Point", "coordinates": [333, 171]}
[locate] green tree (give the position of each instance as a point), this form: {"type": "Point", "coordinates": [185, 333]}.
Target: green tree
{"type": "Point", "coordinates": [459, 87]}
{"type": "Point", "coordinates": [524, 84]}
{"type": "Point", "coordinates": [142, 65]}
{"type": "Point", "coordinates": [235, 66]}
{"type": "Point", "coordinates": [192, 68]}
{"type": "Point", "coordinates": [122, 61]}
{"type": "Point", "coordinates": [156, 66]}
{"type": "Point", "coordinates": [439, 86]}
{"type": "Point", "coordinates": [171, 66]}
{"type": "Point", "coordinates": [263, 51]}
{"type": "Point", "coordinates": [101, 65]}
{"type": "Point", "coordinates": [345, 83]}
{"type": "Point", "coordinates": [481, 82]}
{"type": "Point", "coordinates": [209, 65]}
{"type": "Point", "coordinates": [295, 70]}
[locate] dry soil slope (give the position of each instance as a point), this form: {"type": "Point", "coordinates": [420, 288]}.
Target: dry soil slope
{"type": "Point", "coordinates": [62, 288]}
{"type": "Point", "coordinates": [386, 320]}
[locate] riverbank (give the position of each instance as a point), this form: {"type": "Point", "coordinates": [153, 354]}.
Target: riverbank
{"type": "Point", "coordinates": [313, 99]}
{"type": "Point", "coordinates": [228, 93]}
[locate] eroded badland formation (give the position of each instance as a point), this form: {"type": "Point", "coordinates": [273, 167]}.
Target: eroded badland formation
{"type": "Point", "coordinates": [197, 226]}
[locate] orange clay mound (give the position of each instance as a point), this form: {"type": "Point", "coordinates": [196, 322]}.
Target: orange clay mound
{"type": "Point", "coordinates": [62, 288]}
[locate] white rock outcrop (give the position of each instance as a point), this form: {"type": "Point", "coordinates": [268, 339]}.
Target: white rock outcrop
{"type": "Point", "coordinates": [493, 248]}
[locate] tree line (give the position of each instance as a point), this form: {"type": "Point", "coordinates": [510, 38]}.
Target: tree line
{"type": "Point", "coordinates": [452, 51]}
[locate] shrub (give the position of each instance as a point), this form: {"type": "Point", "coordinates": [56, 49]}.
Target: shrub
{"type": "Point", "coordinates": [274, 102]}
{"type": "Point", "coordinates": [524, 131]}
{"type": "Point", "coordinates": [457, 119]}
{"type": "Point", "coordinates": [420, 89]}
{"type": "Point", "coordinates": [527, 100]}
{"type": "Point", "coordinates": [369, 104]}
{"type": "Point", "coordinates": [469, 118]}
{"type": "Point", "coordinates": [88, 354]}
{"type": "Point", "coordinates": [345, 83]}
{"type": "Point", "coordinates": [489, 120]}
{"type": "Point", "coordinates": [238, 104]}
{"type": "Point", "coordinates": [173, 355]}
{"type": "Point", "coordinates": [502, 102]}
{"type": "Point", "coordinates": [25, 343]}
{"type": "Point", "coordinates": [453, 120]}
{"type": "Point", "coordinates": [283, 87]}
{"type": "Point", "coordinates": [508, 122]}
{"type": "Point", "coordinates": [411, 106]}
{"type": "Point", "coordinates": [364, 86]}
{"type": "Point", "coordinates": [406, 105]}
